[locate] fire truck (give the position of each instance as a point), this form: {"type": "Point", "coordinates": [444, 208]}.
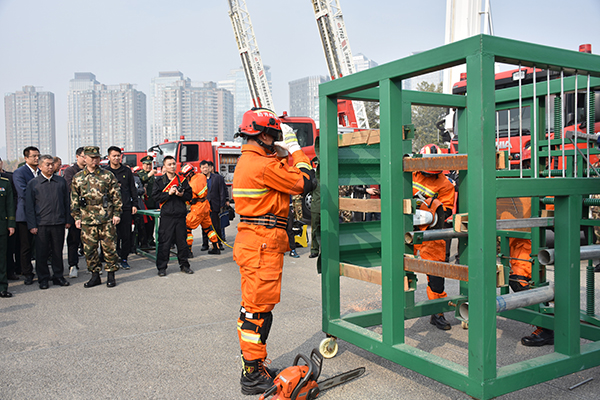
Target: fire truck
{"type": "Point", "coordinates": [223, 154]}
{"type": "Point", "coordinates": [515, 136]}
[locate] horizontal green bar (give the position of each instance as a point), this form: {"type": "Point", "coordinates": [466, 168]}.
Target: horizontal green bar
{"type": "Point", "coordinates": [360, 154]}
{"type": "Point", "coordinates": [530, 187]}
{"type": "Point", "coordinates": [364, 257]}
{"type": "Point", "coordinates": [353, 174]}
{"type": "Point", "coordinates": [360, 235]}
{"type": "Point", "coordinates": [512, 93]}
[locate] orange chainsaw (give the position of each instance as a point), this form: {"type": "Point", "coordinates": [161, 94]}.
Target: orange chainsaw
{"type": "Point", "coordinates": [300, 381]}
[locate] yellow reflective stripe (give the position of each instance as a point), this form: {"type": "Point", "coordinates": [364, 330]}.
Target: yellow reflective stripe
{"type": "Point", "coordinates": [248, 336]}
{"type": "Point", "coordinates": [190, 237]}
{"type": "Point", "coordinates": [303, 165]}
{"type": "Point", "coordinates": [202, 191]}
{"type": "Point", "coordinates": [211, 234]}
{"type": "Point", "coordinates": [249, 192]}
{"type": "Point", "coordinates": [424, 189]}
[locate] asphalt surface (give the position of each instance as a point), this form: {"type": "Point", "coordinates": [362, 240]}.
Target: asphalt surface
{"type": "Point", "coordinates": [175, 338]}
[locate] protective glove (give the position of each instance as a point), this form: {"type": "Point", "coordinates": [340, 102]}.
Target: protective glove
{"type": "Point", "coordinates": [281, 149]}
{"type": "Point", "coordinates": [290, 139]}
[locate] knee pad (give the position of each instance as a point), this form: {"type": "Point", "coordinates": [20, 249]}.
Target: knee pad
{"type": "Point", "coordinates": [518, 283]}
{"type": "Point", "coordinates": [436, 283]}
{"type": "Point", "coordinates": [248, 325]}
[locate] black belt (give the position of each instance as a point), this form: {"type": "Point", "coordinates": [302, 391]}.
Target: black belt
{"type": "Point", "coordinates": [269, 220]}
{"type": "Point", "coordinates": [196, 200]}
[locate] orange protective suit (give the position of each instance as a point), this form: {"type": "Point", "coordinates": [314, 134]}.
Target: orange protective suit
{"type": "Point", "coordinates": [437, 186]}
{"type": "Point", "coordinates": [199, 213]}
{"type": "Point", "coordinates": [520, 269]}
{"type": "Point", "coordinates": [262, 184]}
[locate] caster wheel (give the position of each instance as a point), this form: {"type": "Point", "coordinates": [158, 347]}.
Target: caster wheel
{"type": "Point", "coordinates": [464, 324]}
{"type": "Point", "coordinates": [328, 347]}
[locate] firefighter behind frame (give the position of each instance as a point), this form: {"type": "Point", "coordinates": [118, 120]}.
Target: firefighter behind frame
{"type": "Point", "coordinates": [262, 185]}
{"type": "Point", "coordinates": [434, 185]}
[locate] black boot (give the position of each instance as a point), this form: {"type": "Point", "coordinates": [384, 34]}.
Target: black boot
{"type": "Point", "coordinates": [215, 249]}
{"type": "Point", "coordinates": [539, 337]}
{"type": "Point", "coordinates": [94, 280]}
{"type": "Point", "coordinates": [440, 322]}
{"type": "Point", "coordinates": [110, 281]}
{"type": "Point", "coordinates": [255, 377]}
{"type": "Point", "coordinates": [190, 255]}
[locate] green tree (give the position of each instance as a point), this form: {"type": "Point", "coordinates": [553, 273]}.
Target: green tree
{"type": "Point", "coordinates": [424, 118]}
{"type": "Point", "coordinates": [372, 110]}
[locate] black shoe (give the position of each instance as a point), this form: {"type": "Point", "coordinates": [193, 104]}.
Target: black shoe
{"type": "Point", "coordinates": [313, 255]}
{"type": "Point", "coordinates": [44, 285]}
{"type": "Point", "coordinates": [214, 250]}
{"type": "Point", "coordinates": [440, 322]}
{"type": "Point", "coordinates": [5, 294]}
{"type": "Point", "coordinates": [596, 268]}
{"type": "Point", "coordinates": [110, 279]}
{"type": "Point", "coordinates": [204, 248]}
{"type": "Point", "coordinates": [60, 281]}
{"type": "Point", "coordinates": [539, 337]}
{"type": "Point", "coordinates": [162, 272]}
{"type": "Point", "coordinates": [255, 377]}
{"type": "Point", "coordinates": [94, 280]}
{"type": "Point", "coordinates": [12, 277]}
{"type": "Point", "coordinates": [221, 247]}
{"type": "Point", "coordinates": [29, 280]}
{"type": "Point", "coordinates": [186, 270]}
{"type": "Point", "coordinates": [190, 253]}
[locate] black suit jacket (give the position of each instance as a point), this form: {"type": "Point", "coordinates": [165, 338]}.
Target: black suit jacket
{"type": "Point", "coordinates": [217, 194]}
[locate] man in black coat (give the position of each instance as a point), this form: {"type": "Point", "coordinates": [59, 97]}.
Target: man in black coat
{"type": "Point", "coordinates": [13, 264]}
{"type": "Point", "coordinates": [46, 210]}
{"type": "Point", "coordinates": [130, 201]}
{"type": "Point", "coordinates": [217, 198]}
{"type": "Point", "coordinates": [172, 193]}
{"type": "Point", "coordinates": [74, 235]}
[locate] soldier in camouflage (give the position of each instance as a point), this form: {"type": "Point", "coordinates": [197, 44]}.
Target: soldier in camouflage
{"type": "Point", "coordinates": [96, 207]}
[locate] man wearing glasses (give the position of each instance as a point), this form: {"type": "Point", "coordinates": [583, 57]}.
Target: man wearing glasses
{"type": "Point", "coordinates": [21, 177]}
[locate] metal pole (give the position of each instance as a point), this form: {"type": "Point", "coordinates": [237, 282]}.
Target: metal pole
{"type": "Point", "coordinates": [520, 127]}
{"type": "Point", "coordinates": [575, 131]}
{"type": "Point", "coordinates": [533, 149]}
{"type": "Point", "coordinates": [434, 234]}
{"type": "Point", "coordinates": [546, 256]}
{"type": "Point", "coordinates": [548, 121]}
{"type": "Point", "coordinates": [513, 301]}
{"type": "Point", "coordinates": [590, 128]}
{"type": "Point", "coordinates": [563, 120]}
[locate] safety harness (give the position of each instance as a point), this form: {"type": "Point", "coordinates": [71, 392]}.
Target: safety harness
{"type": "Point", "coordinates": [269, 220]}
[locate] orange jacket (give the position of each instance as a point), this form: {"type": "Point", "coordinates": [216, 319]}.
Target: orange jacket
{"type": "Point", "coordinates": [198, 185]}
{"type": "Point", "coordinates": [432, 185]}
{"type": "Point", "coordinates": [262, 184]}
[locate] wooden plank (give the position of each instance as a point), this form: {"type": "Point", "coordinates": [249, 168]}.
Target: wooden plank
{"type": "Point", "coordinates": [437, 268]}
{"type": "Point", "coordinates": [500, 160]}
{"type": "Point", "coordinates": [367, 136]}
{"type": "Point", "coordinates": [361, 273]}
{"type": "Point", "coordinates": [360, 205]}
{"type": "Point", "coordinates": [435, 163]}
{"type": "Point", "coordinates": [460, 222]}
{"type": "Point", "coordinates": [407, 206]}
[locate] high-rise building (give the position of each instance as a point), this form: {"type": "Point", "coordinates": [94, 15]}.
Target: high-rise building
{"type": "Point", "coordinates": [182, 108]}
{"type": "Point", "coordinates": [435, 78]}
{"type": "Point", "coordinates": [361, 62]}
{"type": "Point", "coordinates": [105, 115]}
{"type": "Point", "coordinates": [304, 96]}
{"type": "Point", "coordinates": [237, 84]}
{"type": "Point", "coordinates": [30, 121]}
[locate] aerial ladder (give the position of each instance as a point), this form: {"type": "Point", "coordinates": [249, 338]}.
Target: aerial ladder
{"type": "Point", "coordinates": [251, 59]}
{"type": "Point", "coordinates": [338, 56]}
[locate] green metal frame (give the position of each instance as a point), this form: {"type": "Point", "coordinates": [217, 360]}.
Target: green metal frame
{"type": "Point", "coordinates": [146, 252]}
{"type": "Point", "coordinates": [382, 243]}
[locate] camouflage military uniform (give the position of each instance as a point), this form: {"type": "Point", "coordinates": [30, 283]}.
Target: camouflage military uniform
{"type": "Point", "coordinates": [596, 215]}
{"type": "Point", "coordinates": [297, 204]}
{"type": "Point", "coordinates": [95, 199]}
{"type": "Point", "coordinates": [345, 215]}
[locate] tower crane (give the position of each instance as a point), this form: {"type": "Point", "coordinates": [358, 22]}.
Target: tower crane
{"type": "Point", "coordinates": [251, 60]}
{"type": "Point", "coordinates": [338, 56]}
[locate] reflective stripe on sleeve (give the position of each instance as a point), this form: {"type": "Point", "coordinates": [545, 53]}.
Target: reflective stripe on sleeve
{"type": "Point", "coordinates": [249, 192]}
{"type": "Point", "coordinates": [428, 192]}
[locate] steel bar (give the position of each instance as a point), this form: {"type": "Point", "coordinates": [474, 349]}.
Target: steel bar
{"type": "Point", "coordinates": [513, 301]}
{"type": "Point", "coordinates": [548, 120]}
{"type": "Point", "coordinates": [581, 383]}
{"type": "Point", "coordinates": [562, 121]}
{"type": "Point", "coordinates": [507, 224]}
{"type": "Point", "coordinates": [433, 234]}
{"type": "Point", "coordinates": [575, 129]}
{"type": "Point", "coordinates": [546, 256]}
{"type": "Point", "coordinates": [435, 162]}
{"type": "Point", "coordinates": [590, 129]}
{"type": "Point", "coordinates": [533, 148]}
{"type": "Point", "coordinates": [520, 125]}
{"type": "Point", "coordinates": [587, 202]}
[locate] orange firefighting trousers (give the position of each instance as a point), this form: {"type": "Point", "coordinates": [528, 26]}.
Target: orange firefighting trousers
{"type": "Point", "coordinates": [199, 215]}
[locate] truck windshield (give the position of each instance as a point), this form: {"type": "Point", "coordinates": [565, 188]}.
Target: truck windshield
{"type": "Point", "coordinates": [163, 150]}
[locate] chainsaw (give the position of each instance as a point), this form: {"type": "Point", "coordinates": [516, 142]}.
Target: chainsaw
{"type": "Point", "coordinates": [300, 381]}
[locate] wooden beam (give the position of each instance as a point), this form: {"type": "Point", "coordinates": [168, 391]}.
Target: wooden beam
{"type": "Point", "coordinates": [435, 163]}
{"type": "Point", "coordinates": [364, 274]}
{"type": "Point", "coordinates": [437, 268]}
{"type": "Point", "coordinates": [360, 205]}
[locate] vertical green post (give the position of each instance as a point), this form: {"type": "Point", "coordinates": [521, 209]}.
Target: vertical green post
{"type": "Point", "coordinates": [481, 206]}
{"type": "Point", "coordinates": [330, 253]}
{"type": "Point", "coordinates": [567, 211]}
{"type": "Point", "coordinates": [392, 225]}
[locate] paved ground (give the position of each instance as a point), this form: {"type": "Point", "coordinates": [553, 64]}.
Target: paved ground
{"type": "Point", "coordinates": [175, 338]}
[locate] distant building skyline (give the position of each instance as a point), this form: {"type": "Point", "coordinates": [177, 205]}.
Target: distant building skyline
{"type": "Point", "coordinates": [105, 115]}
{"type": "Point", "coordinates": [29, 121]}
{"type": "Point", "coordinates": [304, 96]}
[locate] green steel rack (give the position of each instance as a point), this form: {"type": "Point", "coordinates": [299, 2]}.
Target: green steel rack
{"type": "Point", "coordinates": [371, 244]}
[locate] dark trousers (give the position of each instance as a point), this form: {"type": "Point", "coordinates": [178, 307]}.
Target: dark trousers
{"type": "Point", "coordinates": [13, 265]}
{"type": "Point", "coordinates": [26, 248]}
{"type": "Point", "coordinates": [3, 275]}
{"type": "Point", "coordinates": [50, 239]}
{"type": "Point", "coordinates": [216, 221]}
{"type": "Point", "coordinates": [124, 235]}
{"type": "Point", "coordinates": [73, 244]}
{"type": "Point", "coordinates": [290, 232]}
{"type": "Point", "coordinates": [172, 230]}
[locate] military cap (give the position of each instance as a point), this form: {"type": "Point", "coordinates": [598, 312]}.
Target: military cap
{"type": "Point", "coordinates": [147, 160]}
{"type": "Point", "coordinates": [92, 151]}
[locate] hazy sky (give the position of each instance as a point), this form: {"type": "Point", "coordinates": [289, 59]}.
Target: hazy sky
{"type": "Point", "coordinates": [44, 42]}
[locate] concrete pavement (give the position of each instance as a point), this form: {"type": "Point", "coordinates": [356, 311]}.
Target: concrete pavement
{"type": "Point", "coordinates": [175, 338]}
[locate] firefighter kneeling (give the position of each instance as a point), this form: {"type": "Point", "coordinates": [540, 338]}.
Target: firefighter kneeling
{"type": "Point", "coordinates": [434, 185]}
{"type": "Point", "coordinates": [262, 185]}
{"type": "Point", "coordinates": [199, 214]}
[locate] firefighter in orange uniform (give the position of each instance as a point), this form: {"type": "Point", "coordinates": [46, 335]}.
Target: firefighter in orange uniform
{"type": "Point", "coordinates": [199, 214]}
{"type": "Point", "coordinates": [262, 185]}
{"type": "Point", "coordinates": [434, 184]}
